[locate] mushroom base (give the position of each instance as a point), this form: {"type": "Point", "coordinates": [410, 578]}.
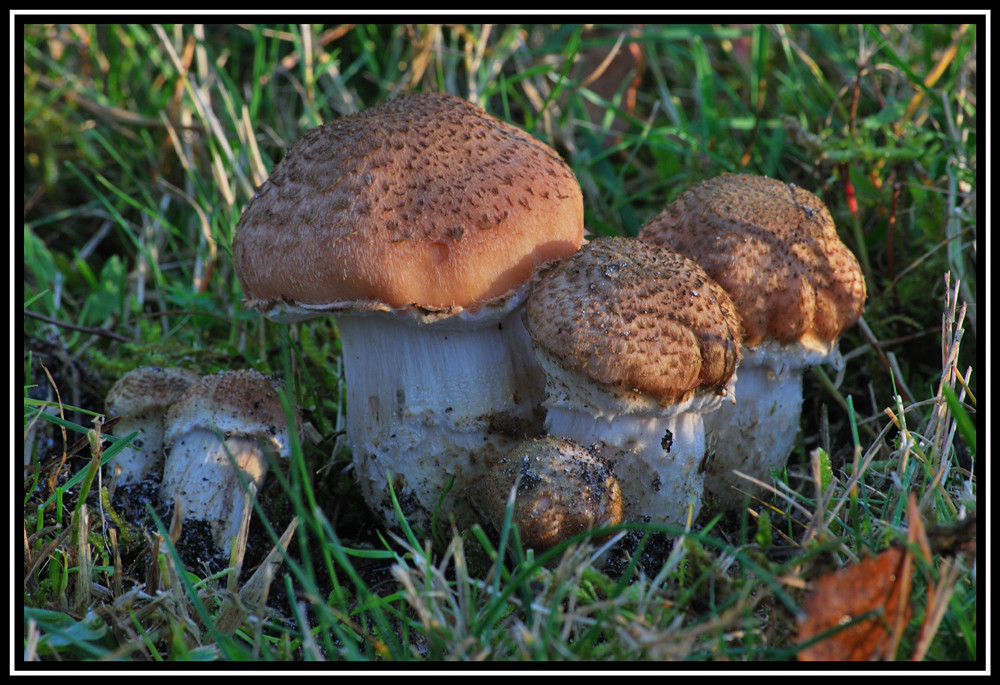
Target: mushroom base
{"type": "Point", "coordinates": [144, 457]}
{"type": "Point", "coordinates": [657, 450]}
{"type": "Point", "coordinates": [657, 459]}
{"type": "Point", "coordinates": [756, 435]}
{"type": "Point", "coordinates": [199, 477]}
{"type": "Point", "coordinates": [430, 402]}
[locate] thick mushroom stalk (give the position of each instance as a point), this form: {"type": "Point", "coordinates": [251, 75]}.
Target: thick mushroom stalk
{"type": "Point", "coordinates": [756, 434]}
{"type": "Point", "coordinates": [774, 248]}
{"type": "Point", "coordinates": [141, 398]}
{"type": "Point", "coordinates": [637, 345]}
{"type": "Point", "coordinates": [417, 223]}
{"type": "Point", "coordinates": [430, 403]}
{"type": "Point", "coordinates": [219, 433]}
{"type": "Point", "coordinates": [658, 450]}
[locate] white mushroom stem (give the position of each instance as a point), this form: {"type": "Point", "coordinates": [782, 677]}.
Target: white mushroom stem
{"type": "Point", "coordinates": [658, 451]}
{"type": "Point", "coordinates": [757, 433]}
{"type": "Point", "coordinates": [215, 434]}
{"type": "Point", "coordinates": [144, 456]}
{"type": "Point", "coordinates": [201, 479]}
{"type": "Point", "coordinates": [429, 401]}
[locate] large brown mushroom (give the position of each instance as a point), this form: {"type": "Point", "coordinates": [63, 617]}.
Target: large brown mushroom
{"type": "Point", "coordinates": [638, 344]}
{"type": "Point", "coordinates": [418, 223]}
{"type": "Point", "coordinates": [773, 246]}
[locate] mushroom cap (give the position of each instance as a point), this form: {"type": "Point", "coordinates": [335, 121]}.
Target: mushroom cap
{"type": "Point", "coordinates": [147, 390]}
{"type": "Point", "coordinates": [424, 201]}
{"type": "Point", "coordinates": [241, 403]}
{"type": "Point", "coordinates": [140, 399]}
{"type": "Point", "coordinates": [564, 489]}
{"type": "Point", "coordinates": [774, 247]}
{"type": "Point", "coordinates": [638, 318]}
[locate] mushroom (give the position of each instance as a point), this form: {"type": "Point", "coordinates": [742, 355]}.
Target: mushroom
{"type": "Point", "coordinates": [773, 246]}
{"type": "Point", "coordinates": [637, 345]}
{"type": "Point", "coordinates": [224, 419]}
{"type": "Point", "coordinates": [141, 398]}
{"type": "Point", "coordinates": [417, 223]}
{"type": "Point", "coordinates": [562, 489]}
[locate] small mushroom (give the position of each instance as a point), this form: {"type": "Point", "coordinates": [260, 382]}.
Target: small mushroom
{"type": "Point", "coordinates": [637, 344]}
{"type": "Point", "coordinates": [226, 417]}
{"type": "Point", "coordinates": [774, 247]}
{"type": "Point", "coordinates": [417, 223]}
{"type": "Point", "coordinates": [141, 398]}
{"type": "Point", "coordinates": [562, 489]}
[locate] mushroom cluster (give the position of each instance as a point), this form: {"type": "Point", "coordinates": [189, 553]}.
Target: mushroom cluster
{"type": "Point", "coordinates": [638, 344]}
{"type": "Point", "coordinates": [774, 248]}
{"type": "Point", "coordinates": [199, 439]}
{"type": "Point", "coordinates": [418, 224]}
{"type": "Point", "coordinates": [489, 348]}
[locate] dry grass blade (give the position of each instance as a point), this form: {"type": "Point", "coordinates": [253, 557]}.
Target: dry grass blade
{"type": "Point", "coordinates": [252, 596]}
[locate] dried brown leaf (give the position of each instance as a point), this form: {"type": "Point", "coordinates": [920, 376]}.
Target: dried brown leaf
{"type": "Point", "coordinates": [870, 599]}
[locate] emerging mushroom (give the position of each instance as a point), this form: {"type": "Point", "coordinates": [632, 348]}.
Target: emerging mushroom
{"type": "Point", "coordinates": [141, 398]}
{"type": "Point", "coordinates": [637, 344]}
{"type": "Point", "coordinates": [418, 223]}
{"type": "Point", "coordinates": [230, 414]}
{"type": "Point", "coordinates": [773, 246]}
{"type": "Point", "coordinates": [563, 489]}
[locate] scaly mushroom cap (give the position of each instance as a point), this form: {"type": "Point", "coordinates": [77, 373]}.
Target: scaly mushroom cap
{"type": "Point", "coordinates": [636, 318]}
{"type": "Point", "coordinates": [773, 246]}
{"type": "Point", "coordinates": [241, 403]}
{"type": "Point", "coordinates": [147, 390]}
{"type": "Point", "coordinates": [564, 489]}
{"type": "Point", "coordinates": [424, 201]}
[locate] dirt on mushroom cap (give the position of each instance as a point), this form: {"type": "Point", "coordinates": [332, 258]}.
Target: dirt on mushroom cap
{"type": "Point", "coordinates": [424, 200]}
{"type": "Point", "coordinates": [565, 488]}
{"type": "Point", "coordinates": [636, 317]}
{"type": "Point", "coordinates": [774, 247]}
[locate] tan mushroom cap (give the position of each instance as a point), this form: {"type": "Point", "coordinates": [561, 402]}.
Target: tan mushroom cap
{"type": "Point", "coordinates": [638, 318]}
{"type": "Point", "coordinates": [243, 403]}
{"type": "Point", "coordinates": [148, 390]}
{"type": "Point", "coordinates": [422, 201]}
{"type": "Point", "coordinates": [564, 489]}
{"type": "Point", "coordinates": [773, 246]}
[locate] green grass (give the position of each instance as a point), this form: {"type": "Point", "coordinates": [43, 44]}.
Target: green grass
{"type": "Point", "coordinates": [142, 144]}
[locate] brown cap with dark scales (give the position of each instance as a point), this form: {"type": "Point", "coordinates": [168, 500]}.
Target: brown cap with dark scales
{"type": "Point", "coordinates": [238, 402]}
{"type": "Point", "coordinates": [425, 200]}
{"type": "Point", "coordinates": [773, 246]}
{"type": "Point", "coordinates": [636, 317]}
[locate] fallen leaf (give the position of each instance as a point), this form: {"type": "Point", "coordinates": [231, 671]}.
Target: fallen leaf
{"type": "Point", "coordinates": [864, 598]}
{"type": "Point", "coordinates": [858, 612]}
